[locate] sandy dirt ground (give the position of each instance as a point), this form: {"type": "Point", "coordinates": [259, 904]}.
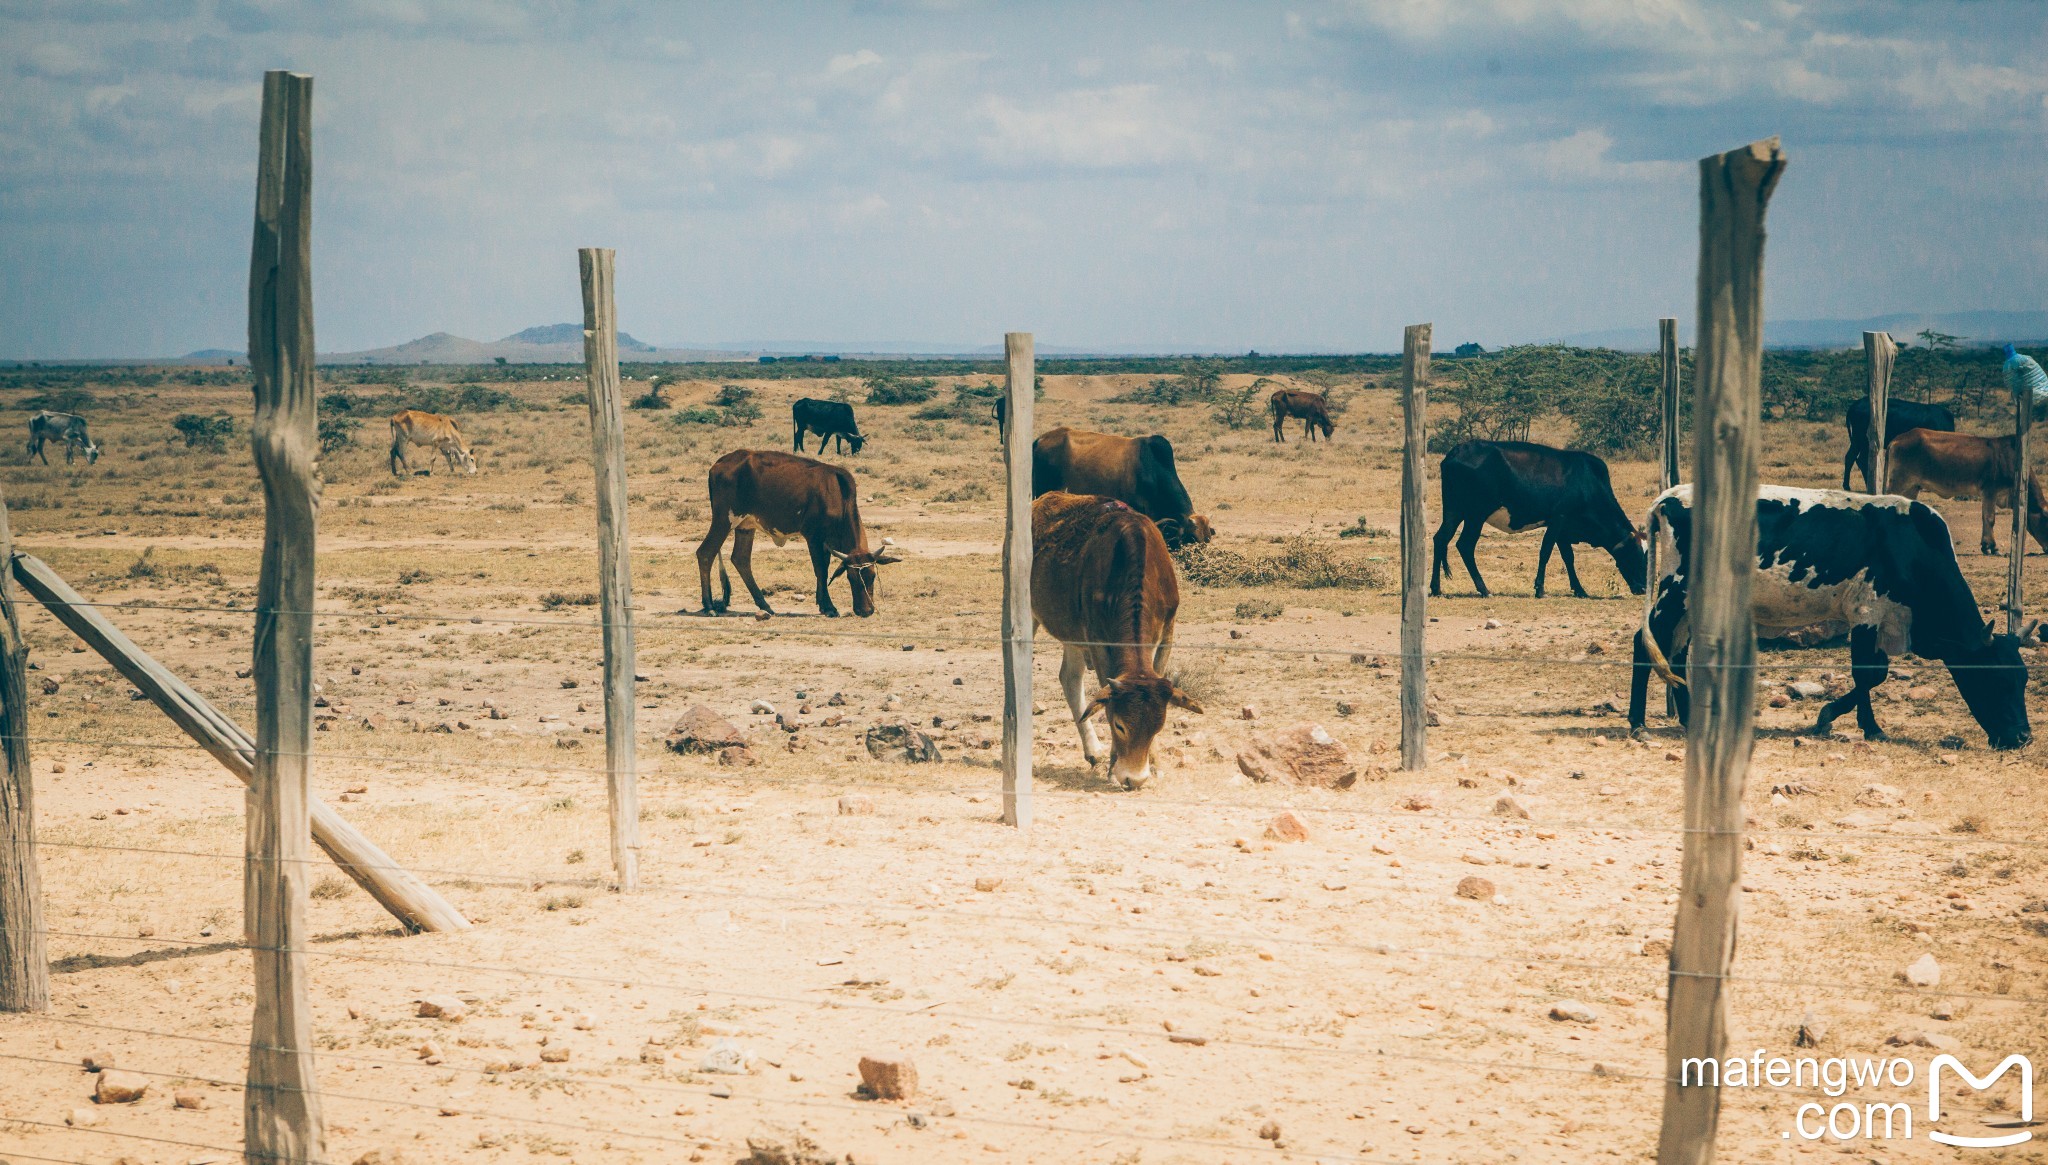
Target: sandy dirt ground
{"type": "Point", "coordinates": [1142, 977]}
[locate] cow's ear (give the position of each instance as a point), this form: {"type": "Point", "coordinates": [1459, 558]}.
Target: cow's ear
{"type": "Point", "coordinates": [1113, 686]}
{"type": "Point", "coordinates": [885, 559]}
{"type": "Point", "coordinates": [1100, 702]}
{"type": "Point", "coordinates": [1180, 699]}
{"type": "Point", "coordinates": [841, 569]}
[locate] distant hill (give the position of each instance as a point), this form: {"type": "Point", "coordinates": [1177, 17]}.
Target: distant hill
{"type": "Point", "coordinates": [1972, 327]}
{"type": "Point", "coordinates": [547, 344]}
{"type": "Point", "coordinates": [569, 334]}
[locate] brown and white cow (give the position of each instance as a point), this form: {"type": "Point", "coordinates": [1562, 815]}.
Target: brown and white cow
{"type": "Point", "coordinates": [1312, 407]}
{"type": "Point", "coordinates": [412, 427]}
{"type": "Point", "coordinates": [1102, 582]}
{"type": "Point", "coordinates": [785, 494]}
{"type": "Point", "coordinates": [1138, 471]}
{"type": "Point", "coordinates": [1954, 465]}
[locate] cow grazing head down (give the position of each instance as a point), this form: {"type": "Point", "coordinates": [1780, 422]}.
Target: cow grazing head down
{"type": "Point", "coordinates": [1993, 681]}
{"type": "Point", "coordinates": [1189, 531]}
{"type": "Point", "coordinates": [859, 569]}
{"type": "Point", "coordinates": [1632, 560]}
{"type": "Point", "coordinates": [466, 460]}
{"type": "Point", "coordinates": [1136, 710]}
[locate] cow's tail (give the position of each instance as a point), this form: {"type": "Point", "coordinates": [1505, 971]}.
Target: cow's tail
{"type": "Point", "coordinates": [724, 583]}
{"type": "Point", "coordinates": [1658, 663]}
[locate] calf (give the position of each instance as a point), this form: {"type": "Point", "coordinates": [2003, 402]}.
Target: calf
{"type": "Point", "coordinates": [1955, 465]}
{"type": "Point", "coordinates": [1899, 417]}
{"type": "Point", "coordinates": [784, 494]}
{"type": "Point", "coordinates": [831, 420]}
{"type": "Point", "coordinates": [1311, 407]}
{"type": "Point", "coordinates": [1137, 471]}
{"type": "Point", "coordinates": [66, 427]}
{"type": "Point", "coordinates": [1102, 582]}
{"type": "Point", "coordinates": [1881, 567]}
{"type": "Point", "coordinates": [1520, 485]}
{"type": "Point", "coordinates": [412, 427]}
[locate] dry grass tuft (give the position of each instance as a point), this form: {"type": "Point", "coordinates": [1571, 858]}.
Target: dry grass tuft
{"type": "Point", "coordinates": [1300, 561]}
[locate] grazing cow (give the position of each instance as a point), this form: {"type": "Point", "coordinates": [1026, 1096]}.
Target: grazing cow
{"type": "Point", "coordinates": [1520, 485]}
{"type": "Point", "coordinates": [1881, 567]}
{"type": "Point", "coordinates": [1102, 582]}
{"type": "Point", "coordinates": [1955, 465]}
{"type": "Point", "coordinates": [1000, 410]}
{"type": "Point", "coordinates": [66, 427]}
{"type": "Point", "coordinates": [1137, 471]}
{"type": "Point", "coordinates": [831, 420]}
{"type": "Point", "coordinates": [783, 494]}
{"type": "Point", "coordinates": [1311, 407]}
{"type": "Point", "coordinates": [412, 427]}
{"type": "Point", "coordinates": [1899, 417]}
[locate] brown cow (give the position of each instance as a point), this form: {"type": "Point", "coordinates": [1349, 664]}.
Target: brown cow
{"type": "Point", "coordinates": [1955, 465]}
{"type": "Point", "coordinates": [1102, 582]}
{"type": "Point", "coordinates": [784, 494]}
{"type": "Point", "coordinates": [1311, 407]}
{"type": "Point", "coordinates": [412, 427]}
{"type": "Point", "coordinates": [1137, 471]}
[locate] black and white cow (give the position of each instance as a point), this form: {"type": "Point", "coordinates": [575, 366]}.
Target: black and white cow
{"type": "Point", "coordinates": [1881, 567]}
{"type": "Point", "coordinates": [1900, 416]}
{"type": "Point", "coordinates": [1520, 485]}
{"type": "Point", "coordinates": [831, 420]}
{"type": "Point", "coordinates": [66, 427]}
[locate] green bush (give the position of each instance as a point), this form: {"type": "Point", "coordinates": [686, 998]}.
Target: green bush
{"type": "Point", "coordinates": [890, 389]}
{"type": "Point", "coordinates": [338, 432]}
{"type": "Point", "coordinates": [208, 433]}
{"type": "Point", "coordinates": [1240, 410]}
{"type": "Point", "coordinates": [733, 406]}
{"type": "Point", "coordinates": [68, 400]}
{"type": "Point", "coordinates": [971, 402]}
{"type": "Point", "coordinates": [1198, 381]}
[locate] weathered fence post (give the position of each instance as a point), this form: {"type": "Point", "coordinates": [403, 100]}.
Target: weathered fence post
{"type": "Point", "coordinates": [24, 954]}
{"type": "Point", "coordinates": [615, 567]}
{"type": "Point", "coordinates": [1018, 392]}
{"type": "Point", "coordinates": [1727, 390]}
{"type": "Point", "coordinates": [1878, 354]}
{"type": "Point", "coordinates": [2016, 562]}
{"type": "Point", "coordinates": [1672, 423]}
{"type": "Point", "coordinates": [1414, 546]}
{"type": "Point", "coordinates": [281, 1108]}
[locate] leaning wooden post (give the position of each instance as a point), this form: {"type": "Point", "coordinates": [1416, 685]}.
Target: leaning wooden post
{"type": "Point", "coordinates": [1667, 398]}
{"type": "Point", "coordinates": [1727, 391]}
{"type": "Point", "coordinates": [281, 1108]}
{"type": "Point", "coordinates": [24, 955]}
{"type": "Point", "coordinates": [1878, 354]}
{"type": "Point", "coordinates": [1414, 546]}
{"type": "Point", "coordinates": [2016, 561]}
{"type": "Point", "coordinates": [1019, 391]}
{"type": "Point", "coordinates": [615, 567]}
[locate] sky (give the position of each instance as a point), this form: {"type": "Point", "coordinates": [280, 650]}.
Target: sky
{"type": "Point", "coordinates": [1113, 176]}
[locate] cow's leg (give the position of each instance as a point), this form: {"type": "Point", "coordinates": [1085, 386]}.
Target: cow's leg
{"type": "Point", "coordinates": [708, 552]}
{"type": "Point", "coordinates": [1987, 542]}
{"type": "Point", "coordinates": [1868, 667]}
{"type": "Point", "coordinates": [1853, 459]}
{"type": "Point", "coordinates": [743, 561]}
{"type": "Point", "coordinates": [796, 441]}
{"type": "Point", "coordinates": [1571, 567]}
{"type": "Point", "coordinates": [1440, 565]}
{"type": "Point", "coordinates": [1073, 677]}
{"type": "Point", "coordinates": [821, 567]}
{"type": "Point", "coordinates": [1279, 419]}
{"type": "Point", "coordinates": [1467, 543]}
{"type": "Point", "coordinates": [1543, 558]}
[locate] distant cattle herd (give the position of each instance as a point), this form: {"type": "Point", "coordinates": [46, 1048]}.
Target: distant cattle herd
{"type": "Point", "coordinates": [1111, 512]}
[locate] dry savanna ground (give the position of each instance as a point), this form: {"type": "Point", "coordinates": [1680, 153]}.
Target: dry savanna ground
{"type": "Point", "coordinates": [1140, 977]}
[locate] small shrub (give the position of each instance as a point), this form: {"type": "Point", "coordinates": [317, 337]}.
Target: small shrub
{"type": "Point", "coordinates": [208, 433]}
{"type": "Point", "coordinates": [580, 398]}
{"type": "Point", "coordinates": [1259, 609]}
{"type": "Point", "coordinates": [1364, 529]}
{"type": "Point", "coordinates": [413, 577]}
{"type": "Point", "coordinates": [329, 887]}
{"type": "Point", "coordinates": [699, 415]}
{"type": "Point", "coordinates": [338, 432]}
{"type": "Point", "coordinates": [971, 490]}
{"type": "Point", "coordinates": [67, 400]}
{"type": "Point", "coordinates": [1302, 562]}
{"type": "Point", "coordinates": [651, 399]}
{"type": "Point", "coordinates": [1239, 410]}
{"type": "Point", "coordinates": [889, 389]}
{"type": "Point", "coordinates": [974, 403]}
{"type": "Point", "coordinates": [556, 600]}
{"type": "Point", "coordinates": [564, 902]}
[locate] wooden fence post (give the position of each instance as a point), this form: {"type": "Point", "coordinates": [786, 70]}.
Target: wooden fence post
{"type": "Point", "coordinates": [1878, 354]}
{"type": "Point", "coordinates": [615, 566]}
{"type": "Point", "coordinates": [281, 1118]}
{"type": "Point", "coordinates": [24, 953]}
{"type": "Point", "coordinates": [1019, 391]}
{"type": "Point", "coordinates": [1672, 424]}
{"type": "Point", "coordinates": [1414, 546]}
{"type": "Point", "coordinates": [2016, 560]}
{"type": "Point", "coordinates": [1727, 384]}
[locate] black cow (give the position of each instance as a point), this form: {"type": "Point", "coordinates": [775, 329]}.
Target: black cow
{"type": "Point", "coordinates": [1882, 567]}
{"type": "Point", "coordinates": [1520, 485]}
{"type": "Point", "coordinates": [1900, 416]}
{"type": "Point", "coordinates": [831, 420]}
{"type": "Point", "coordinates": [66, 427]}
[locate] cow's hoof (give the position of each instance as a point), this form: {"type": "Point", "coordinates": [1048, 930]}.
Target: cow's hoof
{"type": "Point", "coordinates": [1639, 733]}
{"type": "Point", "coordinates": [1875, 734]}
{"type": "Point", "coordinates": [828, 612]}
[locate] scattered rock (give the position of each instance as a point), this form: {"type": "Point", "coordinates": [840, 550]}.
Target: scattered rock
{"type": "Point", "coordinates": [1779, 700]}
{"type": "Point", "coordinates": [702, 730]}
{"type": "Point", "coordinates": [1270, 1131]}
{"type": "Point", "coordinates": [737, 757]}
{"type": "Point", "coordinates": [1248, 712]}
{"type": "Point", "coordinates": [1924, 972]}
{"type": "Point", "coordinates": [1490, 625]}
{"type": "Point", "coordinates": [988, 885]}
{"type": "Point", "coordinates": [50, 686]}
{"type": "Point", "coordinates": [781, 1145]}
{"type": "Point", "coordinates": [723, 1091]}
{"type": "Point", "coordinates": [762, 708]}
{"type": "Point", "coordinates": [1288, 826]}
{"type": "Point", "coordinates": [1920, 692]}
{"type": "Point", "coordinates": [115, 1087]}
{"type": "Point", "coordinates": [1881, 797]}
{"type": "Point", "coordinates": [837, 700]}
{"type": "Point", "coordinates": [1419, 802]}
{"type": "Point", "coordinates": [727, 1058]}
{"type": "Point", "coordinates": [1507, 806]}
{"type": "Point", "coordinates": [1572, 1011]}
{"type": "Point", "coordinates": [653, 1054]}
{"type": "Point", "coordinates": [186, 1098]}
{"type": "Point", "coordinates": [1436, 719]}
{"type": "Point", "coordinates": [97, 1061]}
{"type": "Point", "coordinates": [1935, 1040]}
{"type": "Point", "coordinates": [554, 1055]}
{"type": "Point", "coordinates": [892, 702]}
{"type": "Point", "coordinates": [1476, 888]}
{"type": "Point", "coordinates": [1805, 690]}
{"type": "Point", "coordinates": [1254, 766]}
{"type": "Point", "coordinates": [1812, 1033]}
{"type": "Point", "coordinates": [1304, 754]}
{"type": "Point", "coordinates": [901, 742]}
{"type": "Point", "coordinates": [82, 1118]}
{"type": "Point", "coordinates": [443, 1007]}
{"type": "Point", "coordinates": [430, 1052]}
{"type": "Point", "coordinates": [856, 805]}
{"type": "Point", "coordinates": [888, 1078]}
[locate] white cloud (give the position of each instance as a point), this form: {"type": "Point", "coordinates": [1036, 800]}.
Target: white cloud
{"type": "Point", "coordinates": [1116, 127]}
{"type": "Point", "coordinates": [1583, 158]}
